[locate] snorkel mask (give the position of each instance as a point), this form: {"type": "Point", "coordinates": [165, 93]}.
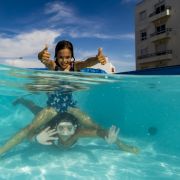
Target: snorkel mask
{"type": "Point", "coordinates": [66, 128]}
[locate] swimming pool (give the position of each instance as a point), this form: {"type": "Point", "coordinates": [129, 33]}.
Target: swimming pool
{"type": "Point", "coordinates": [146, 108]}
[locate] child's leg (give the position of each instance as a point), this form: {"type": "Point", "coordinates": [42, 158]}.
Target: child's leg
{"type": "Point", "coordinates": [83, 118]}
{"type": "Point", "coordinates": [35, 109]}
{"type": "Point", "coordinates": [42, 118]}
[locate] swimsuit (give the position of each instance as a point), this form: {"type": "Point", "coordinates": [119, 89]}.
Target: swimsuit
{"type": "Point", "coordinates": [61, 99]}
{"type": "Point", "coordinates": [58, 68]}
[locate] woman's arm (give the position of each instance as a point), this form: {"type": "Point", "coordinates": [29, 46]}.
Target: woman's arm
{"type": "Point", "coordinates": [125, 147]}
{"type": "Point", "coordinates": [111, 137]}
{"type": "Point", "coordinates": [42, 118]}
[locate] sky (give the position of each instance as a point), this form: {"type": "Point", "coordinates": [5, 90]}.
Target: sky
{"type": "Point", "coordinates": [26, 26]}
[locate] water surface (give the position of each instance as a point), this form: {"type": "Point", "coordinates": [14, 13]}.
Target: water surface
{"type": "Point", "coordinates": [145, 108]}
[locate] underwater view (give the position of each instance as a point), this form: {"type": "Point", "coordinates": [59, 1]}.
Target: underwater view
{"type": "Point", "coordinates": [146, 109]}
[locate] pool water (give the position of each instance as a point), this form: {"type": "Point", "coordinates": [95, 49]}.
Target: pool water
{"type": "Point", "coordinates": [145, 108]}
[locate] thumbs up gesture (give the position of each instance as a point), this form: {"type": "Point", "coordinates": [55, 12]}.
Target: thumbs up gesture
{"type": "Point", "coordinates": [100, 57]}
{"type": "Point", "coordinates": [44, 55]}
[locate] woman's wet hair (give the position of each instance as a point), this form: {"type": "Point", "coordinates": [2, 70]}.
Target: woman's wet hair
{"type": "Point", "coordinates": [63, 117]}
{"type": "Point", "coordinates": [67, 117]}
{"type": "Point", "coordinates": [64, 45]}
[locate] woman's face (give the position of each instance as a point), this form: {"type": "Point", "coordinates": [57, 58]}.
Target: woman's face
{"type": "Point", "coordinates": [64, 57]}
{"type": "Point", "coordinates": [66, 129]}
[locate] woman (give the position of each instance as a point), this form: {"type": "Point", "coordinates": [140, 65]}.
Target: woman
{"type": "Point", "coordinates": [51, 128]}
{"type": "Point", "coordinates": [64, 58]}
{"type": "Point", "coordinates": [64, 131]}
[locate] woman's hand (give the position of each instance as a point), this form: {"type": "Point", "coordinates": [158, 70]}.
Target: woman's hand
{"type": "Point", "coordinates": [100, 57]}
{"type": "Point", "coordinates": [112, 135]}
{"type": "Point", "coordinates": [46, 136]}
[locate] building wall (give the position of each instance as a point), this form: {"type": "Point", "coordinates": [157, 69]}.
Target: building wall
{"type": "Point", "coordinates": [157, 33]}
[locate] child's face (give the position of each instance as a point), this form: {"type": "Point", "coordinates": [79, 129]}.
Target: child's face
{"type": "Point", "coordinates": [64, 57]}
{"type": "Point", "coordinates": [66, 129]}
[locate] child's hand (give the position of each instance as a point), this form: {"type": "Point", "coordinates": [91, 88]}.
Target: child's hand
{"type": "Point", "coordinates": [100, 57]}
{"type": "Point", "coordinates": [44, 55]}
{"type": "Point", "coordinates": [112, 135]}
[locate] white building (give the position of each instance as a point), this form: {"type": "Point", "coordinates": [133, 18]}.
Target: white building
{"type": "Point", "coordinates": [157, 33]}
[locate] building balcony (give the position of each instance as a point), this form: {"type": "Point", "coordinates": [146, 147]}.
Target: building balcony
{"type": "Point", "coordinates": [158, 56]}
{"type": "Point", "coordinates": [159, 15]}
{"type": "Point", "coordinates": [164, 34]}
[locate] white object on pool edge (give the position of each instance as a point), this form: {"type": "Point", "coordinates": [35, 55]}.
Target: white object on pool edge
{"type": "Point", "coordinates": [108, 67]}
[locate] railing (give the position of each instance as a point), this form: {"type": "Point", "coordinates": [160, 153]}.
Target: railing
{"type": "Point", "coordinates": [155, 13]}
{"type": "Point", "coordinates": [160, 53]}
{"type": "Point", "coordinates": [161, 32]}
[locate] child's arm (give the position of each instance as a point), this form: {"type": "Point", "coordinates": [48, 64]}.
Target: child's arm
{"type": "Point", "coordinates": [44, 57]}
{"type": "Point", "coordinates": [83, 118]}
{"type": "Point", "coordinates": [100, 58]}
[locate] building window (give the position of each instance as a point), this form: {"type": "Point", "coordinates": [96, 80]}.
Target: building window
{"type": "Point", "coordinates": [160, 9]}
{"type": "Point", "coordinates": [144, 51]}
{"type": "Point", "coordinates": [143, 35]}
{"type": "Point", "coordinates": [161, 47]}
{"type": "Point", "coordinates": [161, 29]}
{"type": "Point", "coordinates": [142, 15]}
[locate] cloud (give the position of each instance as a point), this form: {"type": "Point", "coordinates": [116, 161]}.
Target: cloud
{"type": "Point", "coordinates": [26, 44]}
{"type": "Point", "coordinates": [59, 15]}
{"type": "Point", "coordinates": [129, 36]}
{"type": "Point", "coordinates": [24, 63]}
{"type": "Point", "coordinates": [128, 56]}
{"type": "Point", "coordinates": [130, 1]}
{"type": "Point", "coordinates": [82, 54]}
{"type": "Point", "coordinates": [59, 12]}
{"type": "Point", "coordinates": [59, 9]}
{"type": "Point", "coordinates": [123, 65]}
{"type": "Point", "coordinates": [62, 14]}
{"type": "Point", "coordinates": [66, 19]}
